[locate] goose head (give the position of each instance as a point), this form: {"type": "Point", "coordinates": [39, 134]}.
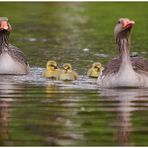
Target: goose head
{"type": "Point", "coordinates": [122, 33]}
{"type": "Point", "coordinates": [123, 27]}
{"type": "Point", "coordinates": [4, 24]}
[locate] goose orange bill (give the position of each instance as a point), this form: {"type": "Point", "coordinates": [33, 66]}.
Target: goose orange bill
{"type": "Point", "coordinates": [128, 24]}
{"type": "Point", "coordinates": [4, 25]}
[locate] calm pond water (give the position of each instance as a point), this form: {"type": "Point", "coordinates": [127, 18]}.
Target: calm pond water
{"type": "Point", "coordinates": [35, 111]}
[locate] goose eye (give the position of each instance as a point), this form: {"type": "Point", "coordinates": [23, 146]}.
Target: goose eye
{"type": "Point", "coordinates": [119, 22]}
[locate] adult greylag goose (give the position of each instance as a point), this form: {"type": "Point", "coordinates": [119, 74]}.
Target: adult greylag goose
{"type": "Point", "coordinates": [12, 59]}
{"type": "Point", "coordinates": [125, 71]}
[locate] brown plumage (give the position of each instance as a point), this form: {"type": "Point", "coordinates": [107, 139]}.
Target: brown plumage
{"type": "Point", "coordinates": [139, 64]}
{"type": "Point", "coordinates": [17, 54]}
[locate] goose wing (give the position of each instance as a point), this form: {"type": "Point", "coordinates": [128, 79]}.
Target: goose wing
{"type": "Point", "coordinates": [111, 67]}
{"type": "Point", "coordinates": [17, 54]}
{"type": "Point", "coordinates": [140, 65]}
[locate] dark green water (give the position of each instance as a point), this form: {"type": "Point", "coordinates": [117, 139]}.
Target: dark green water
{"type": "Point", "coordinates": [35, 111]}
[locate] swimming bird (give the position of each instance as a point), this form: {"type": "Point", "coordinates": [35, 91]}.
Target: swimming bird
{"type": "Point", "coordinates": [124, 71]}
{"type": "Point", "coordinates": [67, 74]}
{"type": "Point", "coordinates": [52, 70]}
{"type": "Point", "coordinates": [95, 70]}
{"type": "Point", "coordinates": [12, 59]}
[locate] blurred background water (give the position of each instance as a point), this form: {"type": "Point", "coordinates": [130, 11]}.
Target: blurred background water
{"type": "Point", "coordinates": [35, 111]}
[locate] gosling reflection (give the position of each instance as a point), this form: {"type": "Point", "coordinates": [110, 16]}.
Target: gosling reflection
{"type": "Point", "coordinates": [125, 107]}
{"type": "Point", "coordinates": [60, 113]}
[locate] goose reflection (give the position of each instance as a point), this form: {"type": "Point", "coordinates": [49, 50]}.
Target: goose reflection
{"type": "Point", "coordinates": [7, 94]}
{"type": "Point", "coordinates": [127, 102]}
{"type": "Point", "coordinates": [3, 121]}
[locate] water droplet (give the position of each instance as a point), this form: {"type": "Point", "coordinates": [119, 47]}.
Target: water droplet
{"type": "Point", "coordinates": [32, 39]}
{"type": "Point", "coordinates": [85, 49]}
{"type": "Point", "coordinates": [101, 55]}
{"type": "Point", "coordinates": [82, 108]}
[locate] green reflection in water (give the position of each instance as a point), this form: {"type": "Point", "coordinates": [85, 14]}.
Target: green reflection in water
{"type": "Point", "coordinates": [59, 117]}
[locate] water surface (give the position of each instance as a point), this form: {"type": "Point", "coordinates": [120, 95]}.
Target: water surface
{"type": "Point", "coordinates": [35, 111]}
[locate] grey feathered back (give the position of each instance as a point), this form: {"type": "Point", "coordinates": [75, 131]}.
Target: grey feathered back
{"type": "Point", "coordinates": [139, 64]}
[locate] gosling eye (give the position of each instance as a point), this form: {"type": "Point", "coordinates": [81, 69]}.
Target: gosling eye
{"type": "Point", "coordinates": [95, 67]}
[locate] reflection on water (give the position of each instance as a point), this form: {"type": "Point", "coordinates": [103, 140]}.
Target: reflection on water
{"type": "Point", "coordinates": [34, 109]}
{"type": "Point", "coordinates": [57, 113]}
{"type": "Point", "coordinates": [4, 105]}
{"type": "Point", "coordinates": [7, 90]}
{"type": "Point", "coordinates": [51, 112]}
{"type": "Point", "coordinates": [127, 105]}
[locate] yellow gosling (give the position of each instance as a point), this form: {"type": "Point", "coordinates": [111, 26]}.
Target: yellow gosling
{"type": "Point", "coordinates": [67, 74]}
{"type": "Point", "coordinates": [95, 70]}
{"type": "Point", "coordinates": [52, 71]}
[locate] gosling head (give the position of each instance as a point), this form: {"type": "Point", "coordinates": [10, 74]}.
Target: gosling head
{"type": "Point", "coordinates": [51, 65]}
{"type": "Point", "coordinates": [123, 27]}
{"type": "Point", "coordinates": [97, 66]}
{"type": "Point", "coordinates": [67, 67]}
{"type": "Point", "coordinates": [4, 25]}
